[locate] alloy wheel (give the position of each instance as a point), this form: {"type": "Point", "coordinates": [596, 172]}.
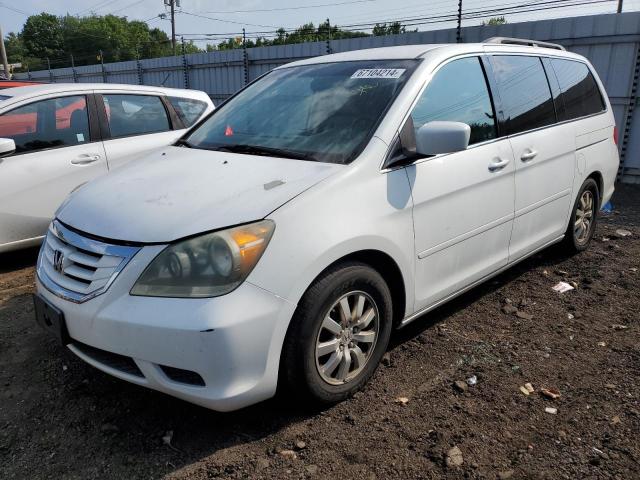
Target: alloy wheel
{"type": "Point", "coordinates": [347, 338]}
{"type": "Point", "coordinates": [585, 212]}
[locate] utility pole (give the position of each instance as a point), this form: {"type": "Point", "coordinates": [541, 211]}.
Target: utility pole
{"type": "Point", "coordinates": [172, 4]}
{"type": "Point", "coordinates": [459, 29]}
{"type": "Point", "coordinates": [3, 57]}
{"type": "Point", "coordinates": [619, 6]}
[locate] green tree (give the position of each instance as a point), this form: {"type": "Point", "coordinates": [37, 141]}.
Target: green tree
{"type": "Point", "coordinates": [42, 36]}
{"type": "Point", "coordinates": [393, 28]}
{"type": "Point", "coordinates": [15, 47]}
{"type": "Point", "coordinates": [495, 21]}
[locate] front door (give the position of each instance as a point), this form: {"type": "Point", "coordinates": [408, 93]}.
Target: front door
{"type": "Point", "coordinates": [463, 202]}
{"type": "Point", "coordinates": [54, 155]}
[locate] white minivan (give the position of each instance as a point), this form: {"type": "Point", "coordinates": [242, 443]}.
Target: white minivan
{"type": "Point", "coordinates": [333, 199]}
{"type": "Point", "coordinates": [56, 137]}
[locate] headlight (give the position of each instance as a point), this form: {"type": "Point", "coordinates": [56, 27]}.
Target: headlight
{"type": "Point", "coordinates": [210, 265]}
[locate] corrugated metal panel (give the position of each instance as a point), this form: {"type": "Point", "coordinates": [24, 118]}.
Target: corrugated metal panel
{"type": "Point", "coordinates": [610, 42]}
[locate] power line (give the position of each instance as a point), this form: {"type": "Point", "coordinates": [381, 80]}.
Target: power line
{"type": "Point", "coordinates": [305, 7]}
{"type": "Point", "coordinates": [226, 21]}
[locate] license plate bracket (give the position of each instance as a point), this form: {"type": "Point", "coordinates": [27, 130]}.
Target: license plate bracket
{"type": "Point", "coordinates": [51, 319]}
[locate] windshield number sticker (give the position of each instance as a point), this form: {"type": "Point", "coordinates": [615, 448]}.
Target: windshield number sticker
{"type": "Point", "coordinates": [378, 73]}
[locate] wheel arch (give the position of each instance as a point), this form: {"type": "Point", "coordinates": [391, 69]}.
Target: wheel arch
{"type": "Point", "coordinates": [596, 175]}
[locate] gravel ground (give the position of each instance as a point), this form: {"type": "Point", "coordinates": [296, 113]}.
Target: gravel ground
{"type": "Point", "coordinates": [60, 418]}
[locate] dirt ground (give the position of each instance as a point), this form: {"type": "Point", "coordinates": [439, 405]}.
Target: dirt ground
{"type": "Point", "coordinates": [60, 418]}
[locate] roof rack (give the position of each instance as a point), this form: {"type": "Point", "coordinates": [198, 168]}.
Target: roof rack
{"type": "Point", "coordinates": [523, 41]}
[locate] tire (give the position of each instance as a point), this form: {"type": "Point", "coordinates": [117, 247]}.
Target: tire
{"type": "Point", "coordinates": [311, 350]}
{"type": "Point", "coordinates": [576, 240]}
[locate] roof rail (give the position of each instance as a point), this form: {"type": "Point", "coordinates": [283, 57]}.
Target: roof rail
{"type": "Point", "coordinates": [523, 41]}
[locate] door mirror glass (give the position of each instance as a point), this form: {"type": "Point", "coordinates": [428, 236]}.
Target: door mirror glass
{"type": "Point", "coordinates": [437, 137]}
{"type": "Point", "coordinates": [7, 147]}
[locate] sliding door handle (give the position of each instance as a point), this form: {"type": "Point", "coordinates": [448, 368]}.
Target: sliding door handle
{"type": "Point", "coordinates": [528, 154]}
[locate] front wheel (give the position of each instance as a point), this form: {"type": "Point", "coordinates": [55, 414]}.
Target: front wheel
{"type": "Point", "coordinates": [338, 334]}
{"type": "Point", "coordinates": [582, 224]}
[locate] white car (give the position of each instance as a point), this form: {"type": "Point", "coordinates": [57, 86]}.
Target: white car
{"type": "Point", "coordinates": [56, 137]}
{"type": "Point", "coordinates": [330, 201]}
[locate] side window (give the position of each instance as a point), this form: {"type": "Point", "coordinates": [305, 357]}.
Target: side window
{"type": "Point", "coordinates": [55, 122]}
{"type": "Point", "coordinates": [580, 93]}
{"type": "Point", "coordinates": [524, 91]}
{"type": "Point", "coordinates": [135, 115]}
{"type": "Point", "coordinates": [458, 92]}
{"type": "Point", "coordinates": [188, 109]}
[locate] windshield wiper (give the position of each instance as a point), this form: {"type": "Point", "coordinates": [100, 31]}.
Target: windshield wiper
{"type": "Point", "coordinates": [183, 143]}
{"type": "Point", "coordinates": [268, 151]}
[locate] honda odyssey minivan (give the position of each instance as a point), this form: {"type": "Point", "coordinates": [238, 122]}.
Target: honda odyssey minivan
{"type": "Point", "coordinates": [333, 199]}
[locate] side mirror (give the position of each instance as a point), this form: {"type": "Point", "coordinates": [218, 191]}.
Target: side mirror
{"type": "Point", "coordinates": [7, 147]}
{"type": "Point", "coordinates": [437, 137]}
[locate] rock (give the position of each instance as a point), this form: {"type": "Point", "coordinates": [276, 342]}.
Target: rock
{"type": "Point", "coordinates": [610, 386]}
{"type": "Point", "coordinates": [505, 475]}
{"type": "Point", "coordinates": [109, 428]}
{"type": "Point", "coordinates": [288, 454]}
{"type": "Point", "coordinates": [615, 420]}
{"type": "Point", "coordinates": [386, 359]}
{"type": "Point", "coordinates": [551, 410]}
{"type": "Point", "coordinates": [529, 387]}
{"type": "Point", "coordinates": [621, 232]}
{"type": "Point", "coordinates": [460, 386]}
{"type": "Point", "coordinates": [602, 344]}
{"type": "Point", "coordinates": [454, 458]}
{"type": "Point", "coordinates": [301, 445]}
{"type": "Point", "coordinates": [509, 309]}
{"type": "Point", "coordinates": [472, 380]}
{"type": "Point", "coordinates": [619, 327]}
{"type": "Point", "coordinates": [262, 463]}
{"type": "Point", "coordinates": [311, 469]}
{"type": "Point", "coordinates": [168, 436]}
{"type": "Point", "coordinates": [524, 391]}
{"type": "Point", "coordinates": [402, 400]}
{"type": "Point", "coordinates": [524, 315]}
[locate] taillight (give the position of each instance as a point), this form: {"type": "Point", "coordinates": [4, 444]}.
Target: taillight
{"type": "Point", "coordinates": [615, 135]}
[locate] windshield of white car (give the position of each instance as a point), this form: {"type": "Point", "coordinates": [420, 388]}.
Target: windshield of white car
{"type": "Point", "coordinates": [323, 112]}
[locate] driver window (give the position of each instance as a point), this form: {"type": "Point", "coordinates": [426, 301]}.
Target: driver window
{"type": "Point", "coordinates": [458, 92]}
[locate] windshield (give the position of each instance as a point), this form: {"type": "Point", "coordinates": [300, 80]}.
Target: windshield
{"type": "Point", "coordinates": [323, 112]}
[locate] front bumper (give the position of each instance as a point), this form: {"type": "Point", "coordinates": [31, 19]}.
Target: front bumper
{"type": "Point", "coordinates": [232, 343]}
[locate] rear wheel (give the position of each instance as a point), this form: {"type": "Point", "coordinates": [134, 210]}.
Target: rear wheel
{"type": "Point", "coordinates": [338, 334]}
{"type": "Point", "coordinates": [582, 223]}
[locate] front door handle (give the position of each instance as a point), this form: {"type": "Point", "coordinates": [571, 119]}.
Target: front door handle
{"type": "Point", "coordinates": [498, 164]}
{"type": "Point", "coordinates": [528, 154]}
{"type": "Point", "coordinates": [85, 159]}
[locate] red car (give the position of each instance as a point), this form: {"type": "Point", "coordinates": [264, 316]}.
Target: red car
{"type": "Point", "coordinates": [16, 83]}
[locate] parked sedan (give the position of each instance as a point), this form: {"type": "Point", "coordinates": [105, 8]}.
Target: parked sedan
{"type": "Point", "coordinates": [54, 138]}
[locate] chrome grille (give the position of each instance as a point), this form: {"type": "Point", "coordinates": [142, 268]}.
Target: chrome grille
{"type": "Point", "coordinates": [78, 268]}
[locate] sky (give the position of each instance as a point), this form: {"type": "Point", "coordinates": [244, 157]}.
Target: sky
{"type": "Point", "coordinates": [230, 16]}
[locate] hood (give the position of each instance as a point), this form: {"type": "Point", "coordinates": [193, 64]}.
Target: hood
{"type": "Point", "coordinates": [177, 192]}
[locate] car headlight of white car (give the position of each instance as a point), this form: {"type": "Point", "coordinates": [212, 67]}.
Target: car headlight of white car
{"type": "Point", "coordinates": [208, 265]}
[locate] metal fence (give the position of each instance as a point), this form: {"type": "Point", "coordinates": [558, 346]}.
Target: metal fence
{"type": "Point", "coordinates": [610, 42]}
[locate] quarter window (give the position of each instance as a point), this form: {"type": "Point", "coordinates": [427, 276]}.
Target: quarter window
{"type": "Point", "coordinates": [458, 92]}
{"type": "Point", "coordinates": [580, 93]}
{"type": "Point", "coordinates": [56, 122]}
{"type": "Point", "coordinates": [135, 115]}
{"type": "Point", "coordinates": [524, 91]}
{"type": "Point", "coordinates": [189, 110]}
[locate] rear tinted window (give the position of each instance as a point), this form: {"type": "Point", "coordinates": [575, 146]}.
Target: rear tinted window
{"type": "Point", "coordinates": [188, 109]}
{"type": "Point", "coordinates": [524, 91]}
{"type": "Point", "coordinates": [580, 93]}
